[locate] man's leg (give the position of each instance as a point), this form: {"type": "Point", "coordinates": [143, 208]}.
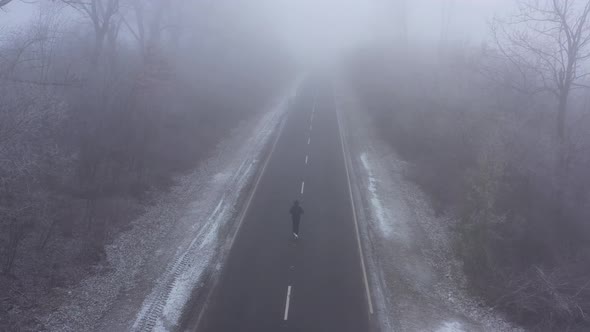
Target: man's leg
{"type": "Point", "coordinates": [296, 227]}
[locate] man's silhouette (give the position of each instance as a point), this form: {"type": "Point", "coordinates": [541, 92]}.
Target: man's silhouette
{"type": "Point", "coordinates": [296, 212]}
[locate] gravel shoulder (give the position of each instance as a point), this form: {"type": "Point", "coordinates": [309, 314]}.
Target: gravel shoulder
{"type": "Point", "coordinates": [416, 282]}
{"type": "Point", "coordinates": [154, 267]}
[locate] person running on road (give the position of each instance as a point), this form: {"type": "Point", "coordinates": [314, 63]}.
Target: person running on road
{"type": "Point", "coordinates": [296, 212]}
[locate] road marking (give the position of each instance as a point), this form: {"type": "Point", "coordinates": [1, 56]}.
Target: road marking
{"type": "Point", "coordinates": [309, 140]}
{"type": "Point", "coordinates": [310, 127]}
{"type": "Point", "coordinates": [286, 316]}
{"type": "Point", "coordinates": [302, 187]}
{"type": "Point", "coordinates": [358, 237]}
{"type": "Point", "coordinates": [306, 158]}
{"type": "Point", "coordinates": [242, 215]}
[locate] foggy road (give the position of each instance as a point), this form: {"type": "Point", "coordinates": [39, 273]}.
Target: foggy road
{"type": "Point", "coordinates": [151, 154]}
{"type": "Point", "coordinates": [270, 281]}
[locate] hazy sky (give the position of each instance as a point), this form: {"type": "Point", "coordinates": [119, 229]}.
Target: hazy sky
{"type": "Point", "coordinates": [324, 26]}
{"type": "Point", "coordinates": [15, 13]}
{"type": "Point", "coordinates": [312, 27]}
{"type": "Point", "coordinates": [319, 26]}
{"type": "Point", "coordinates": [468, 18]}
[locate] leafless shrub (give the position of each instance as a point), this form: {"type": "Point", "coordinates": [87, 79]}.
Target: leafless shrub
{"type": "Point", "coordinates": [93, 127]}
{"type": "Point", "coordinates": [560, 294]}
{"type": "Point", "coordinates": [480, 148]}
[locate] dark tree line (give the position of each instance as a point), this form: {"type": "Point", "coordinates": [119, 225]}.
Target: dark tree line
{"type": "Point", "coordinates": [103, 103]}
{"type": "Point", "coordinates": [497, 136]}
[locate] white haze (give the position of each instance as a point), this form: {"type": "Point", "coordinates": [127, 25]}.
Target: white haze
{"type": "Point", "coordinates": [318, 30]}
{"type": "Point", "coordinates": [16, 13]}
{"type": "Point", "coordinates": [321, 29]}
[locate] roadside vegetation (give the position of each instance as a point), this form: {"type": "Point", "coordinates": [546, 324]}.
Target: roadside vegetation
{"type": "Point", "coordinates": [103, 103]}
{"type": "Point", "coordinates": [497, 135]}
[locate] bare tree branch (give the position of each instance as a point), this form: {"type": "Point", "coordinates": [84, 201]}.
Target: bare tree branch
{"type": "Point", "coordinates": [547, 41]}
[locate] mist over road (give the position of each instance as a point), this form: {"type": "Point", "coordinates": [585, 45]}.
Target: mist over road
{"type": "Point", "coordinates": [272, 282]}
{"type": "Point", "coordinates": [151, 151]}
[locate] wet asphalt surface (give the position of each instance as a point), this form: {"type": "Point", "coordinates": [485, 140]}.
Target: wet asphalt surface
{"type": "Point", "coordinates": [272, 282]}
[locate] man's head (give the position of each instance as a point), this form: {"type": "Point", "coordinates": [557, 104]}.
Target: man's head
{"type": "Point", "coordinates": [296, 202]}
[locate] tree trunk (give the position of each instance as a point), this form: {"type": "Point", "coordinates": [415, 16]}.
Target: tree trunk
{"type": "Point", "coordinates": [47, 235]}
{"type": "Point", "coordinates": [561, 116]}
{"type": "Point", "coordinates": [561, 167]}
{"type": "Point", "coordinates": [98, 47]}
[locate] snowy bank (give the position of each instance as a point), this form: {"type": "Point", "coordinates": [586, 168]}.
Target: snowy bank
{"type": "Point", "coordinates": [416, 282]}
{"type": "Point", "coordinates": [154, 267]}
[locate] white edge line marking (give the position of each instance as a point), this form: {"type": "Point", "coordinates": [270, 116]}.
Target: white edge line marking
{"type": "Point", "coordinates": [302, 187]}
{"type": "Point", "coordinates": [309, 140]}
{"type": "Point", "coordinates": [358, 237]}
{"type": "Point", "coordinates": [310, 126]}
{"type": "Point", "coordinates": [306, 158]}
{"type": "Point", "coordinates": [244, 212]}
{"type": "Point", "coordinates": [287, 300]}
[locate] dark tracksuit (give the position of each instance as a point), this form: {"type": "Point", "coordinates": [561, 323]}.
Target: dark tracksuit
{"type": "Point", "coordinates": [296, 212]}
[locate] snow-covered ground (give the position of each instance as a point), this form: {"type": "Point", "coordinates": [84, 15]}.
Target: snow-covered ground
{"type": "Point", "coordinates": [156, 266]}
{"type": "Point", "coordinates": [416, 283]}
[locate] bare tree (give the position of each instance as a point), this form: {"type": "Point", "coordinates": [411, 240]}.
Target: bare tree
{"type": "Point", "coordinates": [102, 14]}
{"type": "Point", "coordinates": [146, 22]}
{"type": "Point", "coordinates": [548, 41]}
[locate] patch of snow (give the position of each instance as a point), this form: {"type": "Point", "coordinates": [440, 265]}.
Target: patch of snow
{"type": "Point", "coordinates": [389, 219]}
{"type": "Point", "coordinates": [165, 304]}
{"type": "Point", "coordinates": [381, 215]}
{"type": "Point", "coordinates": [156, 265]}
{"type": "Point", "coordinates": [201, 257]}
{"type": "Point", "coordinates": [451, 327]}
{"type": "Point", "coordinates": [220, 177]}
{"type": "Point", "coordinates": [416, 282]}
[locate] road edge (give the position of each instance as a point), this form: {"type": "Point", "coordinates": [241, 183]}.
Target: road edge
{"type": "Point", "coordinates": [347, 160]}
{"type": "Point", "coordinates": [226, 248]}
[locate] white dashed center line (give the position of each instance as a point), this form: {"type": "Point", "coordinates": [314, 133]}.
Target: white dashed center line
{"type": "Point", "coordinates": [287, 303]}
{"type": "Point", "coordinates": [288, 299]}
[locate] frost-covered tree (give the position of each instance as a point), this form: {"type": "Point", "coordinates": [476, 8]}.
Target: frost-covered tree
{"type": "Point", "coordinates": [548, 42]}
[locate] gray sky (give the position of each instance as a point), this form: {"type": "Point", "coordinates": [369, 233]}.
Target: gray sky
{"type": "Point", "coordinates": [314, 28]}
{"type": "Point", "coordinates": [468, 19]}
{"type": "Point", "coordinates": [16, 13]}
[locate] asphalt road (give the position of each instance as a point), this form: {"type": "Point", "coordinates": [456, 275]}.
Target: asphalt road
{"type": "Point", "coordinates": [270, 281]}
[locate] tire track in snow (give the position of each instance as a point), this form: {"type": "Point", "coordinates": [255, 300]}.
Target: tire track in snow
{"type": "Point", "coordinates": [148, 320]}
{"type": "Point", "coordinates": [163, 307]}
{"type": "Point", "coordinates": [153, 314]}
